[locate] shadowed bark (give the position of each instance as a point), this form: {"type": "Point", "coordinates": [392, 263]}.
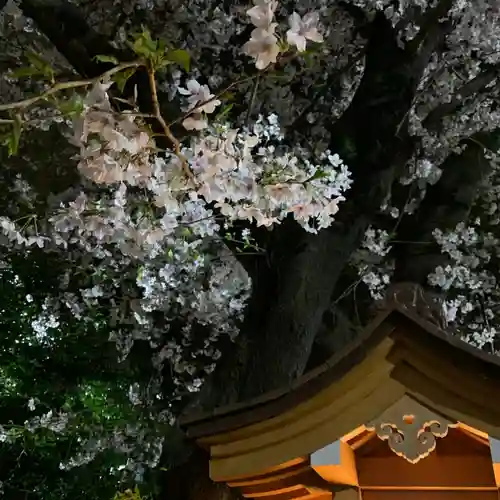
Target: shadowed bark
{"type": "Point", "coordinates": [446, 203]}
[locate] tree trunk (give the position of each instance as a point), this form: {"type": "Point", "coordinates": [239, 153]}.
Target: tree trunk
{"type": "Point", "coordinates": [191, 481]}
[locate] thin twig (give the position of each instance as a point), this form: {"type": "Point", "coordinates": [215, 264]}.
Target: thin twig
{"type": "Point", "coordinates": [68, 85]}
{"type": "Point", "coordinates": [229, 87]}
{"type": "Point", "coordinates": [252, 100]}
{"type": "Point", "coordinates": [166, 129]}
{"type": "Point", "coordinates": [213, 98]}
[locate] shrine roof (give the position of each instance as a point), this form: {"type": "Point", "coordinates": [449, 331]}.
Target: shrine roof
{"type": "Point", "coordinates": [415, 343]}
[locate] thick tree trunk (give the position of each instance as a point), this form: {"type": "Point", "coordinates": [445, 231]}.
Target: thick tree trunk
{"type": "Point", "coordinates": [191, 481]}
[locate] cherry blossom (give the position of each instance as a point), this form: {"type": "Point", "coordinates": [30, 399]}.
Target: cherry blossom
{"type": "Point", "coordinates": [261, 15]}
{"type": "Point", "coordinates": [195, 121]}
{"type": "Point", "coordinates": [303, 29]}
{"type": "Point", "coordinates": [263, 46]}
{"type": "Point", "coordinates": [196, 94]}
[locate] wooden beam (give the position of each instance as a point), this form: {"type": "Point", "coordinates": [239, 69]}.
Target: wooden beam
{"type": "Point", "coordinates": [336, 464]}
{"type": "Point", "coordinates": [348, 494]}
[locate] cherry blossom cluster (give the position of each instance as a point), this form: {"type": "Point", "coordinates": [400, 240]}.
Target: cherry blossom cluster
{"type": "Point", "coordinates": [113, 147]}
{"type": "Point", "coordinates": [470, 289]}
{"type": "Point", "coordinates": [264, 46]}
{"type": "Point", "coordinates": [200, 102]}
{"type": "Point", "coordinates": [147, 217]}
{"type": "Point", "coordinates": [249, 179]}
{"type": "Point", "coordinates": [372, 263]}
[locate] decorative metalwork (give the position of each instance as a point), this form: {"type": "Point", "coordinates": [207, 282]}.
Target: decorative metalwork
{"type": "Point", "coordinates": [410, 429]}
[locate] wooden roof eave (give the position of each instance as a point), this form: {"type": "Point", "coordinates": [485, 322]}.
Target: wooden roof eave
{"type": "Point", "coordinates": [396, 355]}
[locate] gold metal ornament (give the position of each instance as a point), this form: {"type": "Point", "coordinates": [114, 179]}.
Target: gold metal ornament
{"type": "Point", "coordinates": [410, 429]}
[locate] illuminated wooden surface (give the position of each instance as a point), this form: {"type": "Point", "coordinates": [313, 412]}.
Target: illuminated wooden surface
{"type": "Point", "coordinates": [398, 363]}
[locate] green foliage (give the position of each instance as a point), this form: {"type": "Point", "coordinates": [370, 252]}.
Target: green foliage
{"type": "Point", "coordinates": [71, 107]}
{"type": "Point", "coordinates": [224, 112]}
{"type": "Point", "coordinates": [37, 68]}
{"type": "Point", "coordinates": [11, 137]}
{"type": "Point", "coordinates": [121, 78]}
{"type": "Point", "coordinates": [73, 370]}
{"type": "Point", "coordinates": [129, 495]}
{"type": "Point", "coordinates": [180, 57]}
{"type": "Point", "coordinates": [156, 52]}
{"type": "Point", "coordinates": [106, 59]}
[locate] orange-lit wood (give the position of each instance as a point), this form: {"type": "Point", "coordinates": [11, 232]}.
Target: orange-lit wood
{"type": "Point", "coordinates": [430, 495]}
{"type": "Point", "coordinates": [435, 471]}
{"type": "Point", "coordinates": [496, 471]}
{"type": "Point", "coordinates": [365, 403]}
{"type": "Point", "coordinates": [473, 432]}
{"type": "Point", "coordinates": [461, 464]}
{"type": "Point", "coordinates": [284, 467]}
{"type": "Point", "coordinates": [295, 473]}
{"type": "Point", "coordinates": [354, 434]}
{"type": "Point", "coordinates": [429, 488]}
{"type": "Point", "coordinates": [348, 494]}
{"type": "Point", "coordinates": [361, 439]}
{"type": "Point", "coordinates": [343, 473]}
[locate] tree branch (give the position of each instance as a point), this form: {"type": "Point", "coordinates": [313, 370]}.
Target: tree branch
{"type": "Point", "coordinates": [57, 87]}
{"type": "Point", "coordinates": [431, 20]}
{"type": "Point", "coordinates": [445, 204]}
{"type": "Point", "coordinates": [166, 129]}
{"type": "Point", "coordinates": [434, 118]}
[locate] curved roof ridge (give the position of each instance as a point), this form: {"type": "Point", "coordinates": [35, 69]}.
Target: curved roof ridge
{"type": "Point", "coordinates": [274, 402]}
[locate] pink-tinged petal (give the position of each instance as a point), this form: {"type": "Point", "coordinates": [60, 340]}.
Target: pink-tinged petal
{"type": "Point", "coordinates": [193, 86]}
{"type": "Point", "coordinates": [314, 35]}
{"type": "Point", "coordinates": [194, 122]}
{"type": "Point", "coordinates": [295, 39]}
{"type": "Point", "coordinates": [295, 22]}
{"type": "Point", "coordinates": [311, 19]}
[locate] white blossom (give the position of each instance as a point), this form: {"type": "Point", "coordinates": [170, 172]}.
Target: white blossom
{"type": "Point", "coordinates": [263, 46]}
{"type": "Point", "coordinates": [303, 29]}
{"type": "Point", "coordinates": [261, 15]}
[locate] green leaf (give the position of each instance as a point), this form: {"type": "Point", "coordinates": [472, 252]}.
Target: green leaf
{"type": "Point", "coordinates": [143, 44]}
{"type": "Point", "coordinates": [122, 77]}
{"type": "Point", "coordinates": [25, 72]}
{"type": "Point", "coordinates": [40, 64]}
{"type": "Point", "coordinates": [308, 59]}
{"type": "Point", "coordinates": [319, 174]}
{"type": "Point", "coordinates": [224, 111]}
{"type": "Point", "coordinates": [36, 61]}
{"type": "Point", "coordinates": [283, 45]}
{"type": "Point", "coordinates": [228, 96]}
{"type": "Point", "coordinates": [12, 138]}
{"type": "Point", "coordinates": [160, 63]}
{"type": "Point", "coordinates": [38, 67]}
{"type": "Point", "coordinates": [106, 59]}
{"type": "Point", "coordinates": [16, 136]}
{"type": "Point", "coordinates": [71, 107]}
{"type": "Point", "coordinates": [180, 57]}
